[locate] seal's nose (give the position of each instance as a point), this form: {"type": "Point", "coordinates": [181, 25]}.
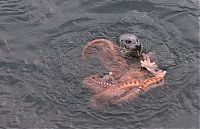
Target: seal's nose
{"type": "Point", "coordinates": [138, 46]}
{"type": "Point", "coordinates": [135, 47]}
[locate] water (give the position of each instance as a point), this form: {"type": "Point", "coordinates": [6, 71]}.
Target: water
{"type": "Point", "coordinates": [41, 69]}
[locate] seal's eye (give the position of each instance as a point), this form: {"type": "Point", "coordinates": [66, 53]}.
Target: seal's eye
{"type": "Point", "coordinates": [128, 42]}
{"type": "Point", "coordinates": [137, 40]}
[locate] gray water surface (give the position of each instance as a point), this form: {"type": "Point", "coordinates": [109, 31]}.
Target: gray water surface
{"type": "Point", "coordinates": [41, 69]}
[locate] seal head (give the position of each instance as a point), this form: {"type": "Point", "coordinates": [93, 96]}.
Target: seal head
{"type": "Point", "coordinates": [130, 45]}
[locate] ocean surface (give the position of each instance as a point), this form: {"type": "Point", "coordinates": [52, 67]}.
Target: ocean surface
{"type": "Point", "coordinates": [41, 69]}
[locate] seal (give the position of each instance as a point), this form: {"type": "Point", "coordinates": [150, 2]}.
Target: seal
{"type": "Point", "coordinates": [130, 46]}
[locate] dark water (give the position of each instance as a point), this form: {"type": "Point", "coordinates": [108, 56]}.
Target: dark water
{"type": "Point", "coordinates": [41, 68]}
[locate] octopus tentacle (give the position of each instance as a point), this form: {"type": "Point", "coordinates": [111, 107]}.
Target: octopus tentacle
{"type": "Point", "coordinates": [133, 74]}
{"type": "Point", "coordinates": [130, 96]}
{"type": "Point", "coordinates": [117, 94]}
{"type": "Point", "coordinates": [153, 82]}
{"type": "Point", "coordinates": [107, 52]}
{"type": "Point", "coordinates": [96, 84]}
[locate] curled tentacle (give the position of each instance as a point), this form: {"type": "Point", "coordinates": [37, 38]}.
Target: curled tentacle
{"type": "Point", "coordinates": [107, 52]}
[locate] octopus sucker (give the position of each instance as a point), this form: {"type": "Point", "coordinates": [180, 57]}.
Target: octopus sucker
{"type": "Point", "coordinates": [95, 84]}
{"type": "Point", "coordinates": [131, 71]}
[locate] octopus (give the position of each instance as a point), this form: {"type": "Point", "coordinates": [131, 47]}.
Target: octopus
{"type": "Point", "coordinates": [130, 71]}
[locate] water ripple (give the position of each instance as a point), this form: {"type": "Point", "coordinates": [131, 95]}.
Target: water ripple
{"type": "Point", "coordinates": [42, 70]}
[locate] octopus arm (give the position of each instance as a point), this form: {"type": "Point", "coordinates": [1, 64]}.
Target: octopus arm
{"type": "Point", "coordinates": [154, 82]}
{"type": "Point", "coordinates": [157, 80]}
{"type": "Point", "coordinates": [130, 96]}
{"type": "Point", "coordinates": [104, 98]}
{"type": "Point", "coordinates": [121, 92]}
{"type": "Point", "coordinates": [96, 84]}
{"type": "Point", "coordinates": [107, 52]}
